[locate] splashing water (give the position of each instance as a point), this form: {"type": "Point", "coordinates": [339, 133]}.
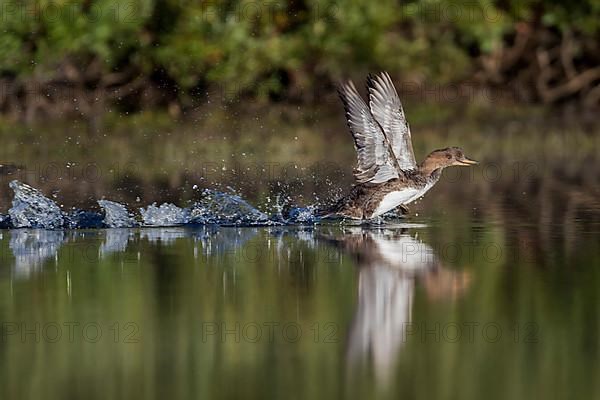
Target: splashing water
{"type": "Point", "coordinates": [226, 209]}
{"type": "Point", "coordinates": [116, 215]}
{"type": "Point", "coordinates": [31, 209]}
{"type": "Point", "coordinates": [302, 215]}
{"type": "Point", "coordinates": [166, 215]}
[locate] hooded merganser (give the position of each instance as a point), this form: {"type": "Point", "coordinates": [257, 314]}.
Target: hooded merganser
{"type": "Point", "coordinates": [387, 175]}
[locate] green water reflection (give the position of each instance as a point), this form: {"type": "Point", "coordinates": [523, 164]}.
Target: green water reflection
{"type": "Point", "coordinates": [298, 312]}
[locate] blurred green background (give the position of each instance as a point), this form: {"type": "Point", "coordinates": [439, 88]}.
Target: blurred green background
{"type": "Point", "coordinates": [64, 59]}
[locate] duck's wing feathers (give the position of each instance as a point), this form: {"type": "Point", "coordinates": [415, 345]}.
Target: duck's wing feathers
{"type": "Point", "coordinates": [387, 109]}
{"type": "Point", "coordinates": [376, 163]}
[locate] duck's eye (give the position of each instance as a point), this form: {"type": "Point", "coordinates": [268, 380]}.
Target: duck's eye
{"type": "Point", "coordinates": [448, 156]}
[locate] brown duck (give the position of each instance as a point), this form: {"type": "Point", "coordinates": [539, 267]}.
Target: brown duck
{"type": "Point", "coordinates": [387, 175]}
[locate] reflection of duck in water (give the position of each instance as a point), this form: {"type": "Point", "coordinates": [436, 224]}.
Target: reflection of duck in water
{"type": "Point", "coordinates": [389, 265]}
{"type": "Point", "coordinates": [387, 174]}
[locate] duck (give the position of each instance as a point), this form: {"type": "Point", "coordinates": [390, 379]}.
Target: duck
{"type": "Point", "coordinates": [387, 176]}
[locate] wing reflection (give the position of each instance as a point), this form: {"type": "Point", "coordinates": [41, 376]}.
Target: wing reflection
{"type": "Point", "coordinates": [390, 264]}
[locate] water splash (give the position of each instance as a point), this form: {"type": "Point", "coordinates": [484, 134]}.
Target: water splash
{"type": "Point", "coordinates": [302, 215]}
{"type": "Point", "coordinates": [166, 215]}
{"type": "Point", "coordinates": [226, 209]}
{"type": "Point", "coordinates": [31, 209]}
{"type": "Point", "coordinates": [116, 215]}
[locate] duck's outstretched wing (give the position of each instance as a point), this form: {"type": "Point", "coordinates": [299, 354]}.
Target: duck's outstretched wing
{"type": "Point", "coordinates": [376, 163]}
{"type": "Point", "coordinates": [387, 109]}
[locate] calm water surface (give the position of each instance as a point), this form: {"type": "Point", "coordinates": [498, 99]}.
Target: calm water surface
{"type": "Point", "coordinates": [489, 289]}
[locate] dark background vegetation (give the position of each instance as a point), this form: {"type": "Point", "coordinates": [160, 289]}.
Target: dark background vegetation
{"type": "Point", "coordinates": [65, 59]}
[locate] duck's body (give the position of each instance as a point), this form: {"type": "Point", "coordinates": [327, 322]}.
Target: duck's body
{"type": "Point", "coordinates": [387, 175]}
{"type": "Point", "coordinates": [367, 201]}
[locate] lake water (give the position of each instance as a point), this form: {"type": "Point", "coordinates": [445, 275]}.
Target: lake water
{"type": "Point", "coordinates": [489, 288]}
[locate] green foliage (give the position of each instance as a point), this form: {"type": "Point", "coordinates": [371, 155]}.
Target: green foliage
{"type": "Point", "coordinates": [41, 34]}
{"type": "Point", "coordinates": [250, 46]}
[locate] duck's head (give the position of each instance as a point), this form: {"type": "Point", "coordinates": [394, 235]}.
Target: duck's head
{"type": "Point", "coordinates": [448, 157]}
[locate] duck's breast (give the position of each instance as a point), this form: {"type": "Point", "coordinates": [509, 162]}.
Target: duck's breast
{"type": "Point", "coordinates": [394, 199]}
{"type": "Point", "coordinates": [421, 192]}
